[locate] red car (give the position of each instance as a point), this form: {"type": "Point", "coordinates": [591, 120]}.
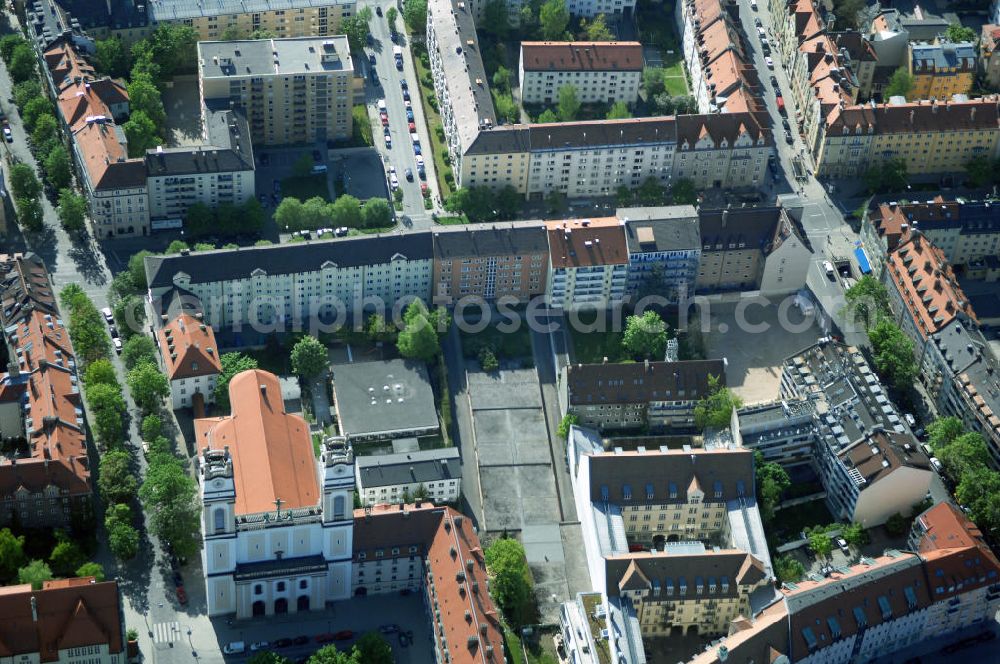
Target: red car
{"type": "Point", "coordinates": [385, 120]}
{"type": "Point", "coordinates": [343, 635]}
{"type": "Point", "coordinates": [325, 637]}
{"type": "Point", "coordinates": [424, 190]}
{"type": "Point", "coordinates": [412, 127]}
{"type": "Point", "coordinates": [182, 596]}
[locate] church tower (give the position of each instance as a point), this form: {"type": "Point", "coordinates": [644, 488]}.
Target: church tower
{"type": "Point", "coordinates": [337, 476]}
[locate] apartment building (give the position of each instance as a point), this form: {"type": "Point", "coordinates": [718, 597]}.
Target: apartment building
{"type": "Point", "coordinates": [655, 395]}
{"type": "Point", "coordinates": [664, 250]}
{"type": "Point", "coordinates": [988, 64]}
{"type": "Point", "coordinates": [394, 478]}
{"type": "Point", "coordinates": [115, 185]}
{"type": "Point", "coordinates": [250, 289]}
{"type": "Point", "coordinates": [66, 620]}
{"type": "Point", "coordinates": [962, 375]}
{"type": "Point", "coordinates": [45, 482]}
{"type": "Point", "coordinates": [383, 400]}
{"type": "Point", "coordinates": [723, 78]}
{"type": "Point", "coordinates": [941, 69]}
{"type": "Point", "coordinates": [600, 72]}
{"type": "Point", "coordinates": [437, 552]}
{"type": "Point", "coordinates": [759, 248]}
{"type": "Point", "coordinates": [674, 542]}
{"type": "Point", "coordinates": [490, 262]}
{"type": "Point", "coordinates": [964, 231]}
{"type": "Point", "coordinates": [930, 136]}
{"type": "Point", "coordinates": [276, 522]}
{"type": "Point", "coordinates": [588, 263]}
{"type": "Point", "coordinates": [287, 19]}
{"type": "Point", "coordinates": [191, 359]}
{"type": "Point", "coordinates": [878, 606]}
{"type": "Point", "coordinates": [874, 478]}
{"type": "Point", "coordinates": [292, 91]}
{"type": "Point", "coordinates": [923, 290]}
{"type": "Point", "coordinates": [721, 151]}
{"type": "Point", "coordinates": [218, 172]}
{"type": "Point", "coordinates": [782, 430]}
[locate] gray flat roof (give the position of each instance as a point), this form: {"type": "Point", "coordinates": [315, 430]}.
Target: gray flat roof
{"type": "Point", "coordinates": [673, 228]}
{"type": "Point", "coordinates": [174, 10]}
{"type": "Point", "coordinates": [258, 57]}
{"type": "Point", "coordinates": [383, 397]}
{"type": "Point", "coordinates": [418, 467]}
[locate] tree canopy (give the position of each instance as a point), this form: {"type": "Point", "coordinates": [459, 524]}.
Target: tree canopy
{"type": "Point", "coordinates": [569, 104]}
{"type": "Point", "coordinates": [309, 357]}
{"type": "Point", "coordinates": [715, 410]}
{"type": "Point", "coordinates": [169, 495]}
{"type": "Point", "coordinates": [415, 15]}
{"type": "Point", "coordinates": [72, 210]}
{"type": "Point", "coordinates": [148, 386]}
{"type": "Point", "coordinates": [232, 364]}
{"type": "Point", "coordinates": [645, 336]}
{"type": "Point", "coordinates": [893, 353]}
{"type": "Point", "coordinates": [899, 85]}
{"type": "Point", "coordinates": [36, 573]}
{"type": "Point", "coordinates": [117, 482]}
{"type": "Point", "coordinates": [867, 301]}
{"type": "Point", "coordinates": [11, 550]}
{"type": "Point", "coordinates": [511, 580]}
{"type": "Point", "coordinates": [553, 18]}
{"type": "Point", "coordinates": [772, 480]}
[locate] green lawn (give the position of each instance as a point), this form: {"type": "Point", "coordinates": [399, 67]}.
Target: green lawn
{"type": "Point", "coordinates": [676, 85]}
{"type": "Point", "coordinates": [433, 120]}
{"type": "Point", "coordinates": [593, 347]}
{"type": "Point", "coordinates": [304, 188]}
{"type": "Point", "coordinates": [506, 345]}
{"type": "Point", "coordinates": [453, 221]}
{"type": "Point", "coordinates": [790, 521]}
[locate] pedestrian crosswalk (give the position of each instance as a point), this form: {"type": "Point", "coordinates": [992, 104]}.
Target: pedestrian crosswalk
{"type": "Point", "coordinates": [166, 632]}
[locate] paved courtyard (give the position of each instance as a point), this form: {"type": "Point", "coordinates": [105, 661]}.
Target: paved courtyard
{"type": "Point", "coordinates": [754, 359]}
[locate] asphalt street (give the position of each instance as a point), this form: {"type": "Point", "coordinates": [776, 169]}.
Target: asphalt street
{"type": "Point", "coordinates": [401, 154]}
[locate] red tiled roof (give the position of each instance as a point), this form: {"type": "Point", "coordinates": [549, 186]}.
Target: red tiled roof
{"type": "Point", "coordinates": [188, 348]}
{"type": "Point", "coordinates": [271, 450]}
{"type": "Point", "coordinates": [71, 613]}
{"type": "Point", "coordinates": [581, 56]}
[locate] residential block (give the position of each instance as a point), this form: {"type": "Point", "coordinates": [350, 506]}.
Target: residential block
{"type": "Point", "coordinates": [600, 72]}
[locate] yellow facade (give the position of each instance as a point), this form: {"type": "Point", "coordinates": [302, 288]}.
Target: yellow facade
{"type": "Point", "coordinates": [939, 84]}
{"type": "Point", "coordinates": [676, 521]}
{"type": "Point", "coordinates": [305, 22]}
{"type": "Point", "coordinates": [934, 152]}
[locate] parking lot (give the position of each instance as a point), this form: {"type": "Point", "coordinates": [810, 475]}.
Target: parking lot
{"type": "Point", "coordinates": [754, 359]}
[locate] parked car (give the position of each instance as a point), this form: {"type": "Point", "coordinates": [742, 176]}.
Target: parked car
{"type": "Point", "coordinates": [108, 315]}
{"type": "Point", "coordinates": [769, 62]}
{"type": "Point", "coordinates": [371, 59]}
{"type": "Point", "coordinates": [789, 138]}
{"type": "Point", "coordinates": [409, 175]}
{"type": "Point", "coordinates": [388, 142]}
{"type": "Point", "coordinates": [325, 637]}
{"type": "Point", "coordinates": [411, 126]}
{"type": "Point", "coordinates": [406, 95]}
{"type": "Point", "coordinates": [8, 135]}
{"type": "Point", "coordinates": [300, 640]}
{"type": "Point", "coordinates": [842, 545]}
{"type": "Point", "coordinates": [259, 645]}
{"type": "Point", "coordinates": [178, 579]}
{"type": "Point", "coordinates": [117, 343]}
{"type": "Point", "coordinates": [416, 149]}
{"type": "Point", "coordinates": [182, 597]}
{"type": "Point", "coordinates": [234, 648]}
{"type": "Point", "coordinates": [113, 331]}
{"type": "Point", "coordinates": [409, 115]}
{"type": "Point", "coordinates": [317, 155]}
{"type": "Point", "coordinates": [403, 84]}
{"type": "Point", "coordinates": [378, 10]}
{"type": "Point", "coordinates": [282, 643]}
{"type": "Point", "coordinates": [756, 21]}
{"type": "Point", "coordinates": [774, 80]}
{"type": "Point", "coordinates": [343, 635]}
{"type": "Point", "coordinates": [388, 629]}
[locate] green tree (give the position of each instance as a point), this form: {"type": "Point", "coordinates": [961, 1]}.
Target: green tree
{"type": "Point", "coordinates": [289, 214]}
{"type": "Point", "coordinates": [683, 192]}
{"type": "Point", "coordinates": [117, 482]}
{"type": "Point", "coordinates": [568, 420]}
{"type": "Point", "coordinates": [502, 79]}
{"type": "Point", "coordinates": [152, 427]}
{"type": "Point", "coordinates": [772, 481]}
{"type": "Point", "coordinates": [651, 192]}
{"type": "Point", "coordinates": [233, 33]}
{"type": "Point", "coordinates": [137, 269]}
{"type": "Point", "coordinates": [868, 301]}
{"type": "Point", "coordinates": [943, 430]}
{"type": "Point", "coordinates": [979, 490]}
{"type": "Point", "coordinates": [378, 330]}
{"type": "Point", "coordinates": [569, 105]}
{"type": "Point", "coordinates": [11, 548]}
{"type": "Point", "coordinates": [510, 585]}
{"type": "Point", "coordinates": [981, 170]}
{"type": "Point", "coordinates": [897, 524]}
{"type": "Point", "coordinates": [415, 15]}
{"type": "Point", "coordinates": [58, 170]}
{"type": "Point", "coordinates": [309, 357]}
{"type": "Point", "coordinates": [23, 182]}
{"type": "Point", "coordinates": [957, 33]}
{"type": "Point", "coordinates": [820, 543]}
{"type": "Point", "coordinates": [553, 18]}
{"type": "Point", "coordinates": [789, 569]}
{"type": "Point", "coordinates": [715, 410]}
{"type": "Point", "coordinates": [66, 557]}
{"type": "Point", "coordinates": [505, 107]}
{"type": "Point", "coordinates": [107, 407]}
{"type": "Point", "coordinates": [390, 17]}
{"type": "Point", "coordinates": [144, 96]}
{"type": "Point", "coordinates": [22, 64]}
{"type": "Point", "coordinates": [548, 116]}
{"type": "Point", "coordinates": [376, 213]}
{"type": "Point", "coordinates": [100, 372]}
{"type": "Point", "coordinates": [45, 135]}
{"type": "Point", "coordinates": [176, 247]}
{"type": "Point", "coordinates": [169, 495]}
{"type": "Point", "coordinates": [356, 29]}
{"type": "Point", "coordinates": [95, 570]}
{"type": "Point", "coordinates": [72, 210]}
{"type": "Point", "coordinates": [36, 108]}
{"type": "Point", "coordinates": [8, 44]}
{"type": "Point", "coordinates": [140, 349]}
{"type": "Point", "coordinates": [418, 340]}
{"type": "Point", "coordinates": [175, 48]}
{"type": "Point", "coordinates": [123, 538]}
{"type": "Point", "coordinates": [330, 654]}
{"type": "Point", "coordinates": [893, 351]}
{"type": "Point", "coordinates": [111, 57]}
{"type": "Point", "coordinates": [25, 91]}
{"type": "Point", "coordinates": [29, 214]}
{"type": "Point", "coordinates": [302, 168]}
{"type": "Point", "coordinates": [232, 364]}
{"type": "Point", "coordinates": [619, 111]}
{"type": "Point", "coordinates": [855, 534]}
{"type": "Point", "coordinates": [262, 34]}
{"type": "Point", "coordinates": [645, 336]}
{"type": "Point", "coordinates": [346, 211]}
{"type": "Point", "coordinates": [374, 649]}
{"type": "Point", "coordinates": [495, 20]}
{"type": "Point", "coordinates": [597, 30]}
{"type": "Point", "coordinates": [899, 85]}
{"type": "Point", "coordinates": [148, 386]}
{"type": "Point", "coordinates": [653, 82]}
{"type": "Point", "coordinates": [963, 455]}
{"type": "Point", "coordinates": [36, 573]}
{"type": "Point", "coordinates": [141, 134]}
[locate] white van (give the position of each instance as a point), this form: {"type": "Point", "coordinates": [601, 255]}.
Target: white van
{"type": "Point", "coordinates": [234, 648]}
{"type": "Point", "coordinates": [935, 464]}
{"type": "Point", "coordinates": [381, 104]}
{"type": "Point", "coordinates": [828, 268]}
{"type": "Point", "coordinates": [319, 168]}
{"type": "Point", "coordinates": [415, 138]}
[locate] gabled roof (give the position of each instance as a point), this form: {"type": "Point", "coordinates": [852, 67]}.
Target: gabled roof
{"type": "Point", "coordinates": [728, 570]}
{"type": "Point", "coordinates": [581, 56]}
{"type": "Point", "coordinates": [188, 348]}
{"type": "Point", "coordinates": [271, 449]}
{"type": "Point", "coordinates": [641, 382]}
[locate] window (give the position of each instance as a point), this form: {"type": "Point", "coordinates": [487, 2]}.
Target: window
{"type": "Point", "coordinates": [219, 517]}
{"type": "Point", "coordinates": [339, 507]}
{"type": "Point", "coordinates": [258, 589]}
{"type": "Point", "coordinates": [280, 586]}
{"type": "Point", "coordinates": [303, 584]}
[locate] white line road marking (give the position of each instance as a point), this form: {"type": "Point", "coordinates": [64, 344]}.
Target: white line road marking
{"type": "Point", "coordinates": [166, 632]}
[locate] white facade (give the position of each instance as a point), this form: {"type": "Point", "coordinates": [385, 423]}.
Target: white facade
{"type": "Point", "coordinates": [787, 266]}
{"type": "Point", "coordinates": [600, 170]}
{"type": "Point", "coordinates": [183, 389]}
{"type": "Point", "coordinates": [572, 287]}
{"type": "Point", "coordinates": [443, 491]}
{"type": "Point", "coordinates": [171, 195]}
{"type": "Point", "coordinates": [540, 85]}
{"type": "Point", "coordinates": [119, 212]}
{"type": "Point", "coordinates": [282, 561]}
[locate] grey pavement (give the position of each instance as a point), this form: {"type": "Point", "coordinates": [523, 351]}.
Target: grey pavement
{"type": "Point", "coordinates": [401, 154]}
{"type": "Point", "coordinates": [462, 429]}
